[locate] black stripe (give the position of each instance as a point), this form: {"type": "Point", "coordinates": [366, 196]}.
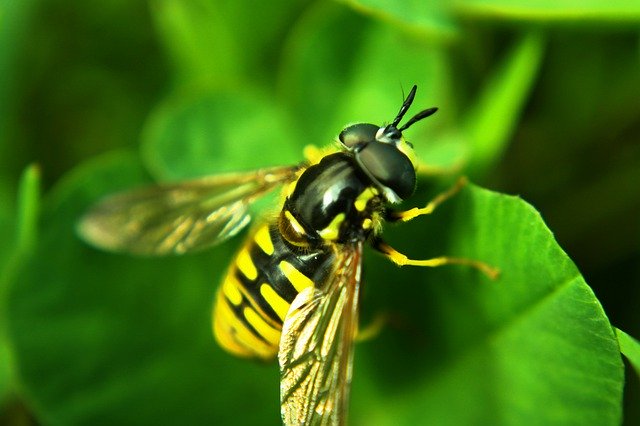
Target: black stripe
{"type": "Point", "coordinates": [239, 313]}
{"type": "Point", "coordinates": [315, 264]}
{"type": "Point", "coordinates": [252, 289]}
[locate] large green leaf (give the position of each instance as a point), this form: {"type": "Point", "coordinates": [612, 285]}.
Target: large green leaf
{"type": "Point", "coordinates": [533, 347]}
{"type": "Point", "coordinates": [111, 339]}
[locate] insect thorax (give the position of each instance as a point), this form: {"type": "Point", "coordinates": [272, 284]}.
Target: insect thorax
{"type": "Point", "coordinates": [332, 201]}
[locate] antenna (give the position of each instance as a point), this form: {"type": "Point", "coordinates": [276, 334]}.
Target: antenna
{"type": "Point", "coordinates": [419, 116]}
{"type": "Point", "coordinates": [405, 106]}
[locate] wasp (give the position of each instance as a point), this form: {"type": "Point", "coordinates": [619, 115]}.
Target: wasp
{"type": "Point", "coordinates": [292, 290]}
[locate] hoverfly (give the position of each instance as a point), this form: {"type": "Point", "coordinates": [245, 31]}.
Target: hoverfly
{"type": "Point", "coordinates": [293, 288]}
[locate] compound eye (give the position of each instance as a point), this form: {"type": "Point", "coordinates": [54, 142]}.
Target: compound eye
{"type": "Point", "coordinates": [358, 134]}
{"type": "Point", "coordinates": [389, 167]}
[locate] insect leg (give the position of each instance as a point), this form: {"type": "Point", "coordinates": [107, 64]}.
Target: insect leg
{"type": "Point", "coordinates": [374, 328]}
{"type": "Point", "coordinates": [407, 215]}
{"type": "Point", "coordinates": [402, 260]}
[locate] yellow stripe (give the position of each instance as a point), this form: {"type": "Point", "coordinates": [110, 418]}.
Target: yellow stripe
{"type": "Point", "coordinates": [230, 289]}
{"type": "Point", "coordinates": [245, 264]}
{"type": "Point", "coordinates": [332, 231]}
{"type": "Point", "coordinates": [294, 223]}
{"type": "Point", "coordinates": [270, 335]}
{"type": "Point", "coordinates": [277, 303]}
{"type": "Point", "coordinates": [263, 239]}
{"type": "Point", "coordinates": [299, 280]}
{"type": "Point", "coordinates": [222, 331]}
{"type": "Point", "coordinates": [252, 302]}
{"type": "Point", "coordinates": [233, 335]}
{"type": "Point", "coordinates": [367, 223]}
{"type": "Point", "coordinates": [362, 200]}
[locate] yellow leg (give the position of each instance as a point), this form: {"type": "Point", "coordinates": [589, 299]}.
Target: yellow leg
{"type": "Point", "coordinates": [373, 329]}
{"type": "Point", "coordinates": [402, 260]}
{"type": "Point", "coordinates": [410, 214]}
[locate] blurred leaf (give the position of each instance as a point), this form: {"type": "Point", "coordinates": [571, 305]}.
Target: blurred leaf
{"type": "Point", "coordinates": [209, 132]}
{"type": "Point", "coordinates": [493, 119]}
{"type": "Point", "coordinates": [28, 208]}
{"type": "Point", "coordinates": [14, 20]}
{"type": "Point", "coordinates": [260, 29]}
{"type": "Point", "coordinates": [109, 339]}
{"type": "Point", "coordinates": [7, 247]}
{"type": "Point", "coordinates": [317, 65]}
{"type": "Point", "coordinates": [590, 11]}
{"type": "Point", "coordinates": [7, 223]}
{"type": "Point", "coordinates": [224, 43]}
{"type": "Point", "coordinates": [198, 39]}
{"type": "Point", "coordinates": [5, 371]}
{"type": "Point", "coordinates": [431, 19]}
{"type": "Point", "coordinates": [630, 348]}
{"type": "Point", "coordinates": [18, 234]}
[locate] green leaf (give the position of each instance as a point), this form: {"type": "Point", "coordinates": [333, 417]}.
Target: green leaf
{"type": "Point", "coordinates": [198, 40]}
{"type": "Point", "coordinates": [586, 11]}
{"type": "Point", "coordinates": [630, 348]}
{"type": "Point", "coordinates": [493, 119]}
{"type": "Point", "coordinates": [28, 208]}
{"type": "Point", "coordinates": [18, 235]}
{"type": "Point", "coordinates": [533, 347]}
{"type": "Point", "coordinates": [107, 339]}
{"type": "Point", "coordinates": [205, 132]}
{"type": "Point", "coordinates": [111, 339]}
{"type": "Point", "coordinates": [431, 19]}
{"type": "Point", "coordinates": [224, 43]}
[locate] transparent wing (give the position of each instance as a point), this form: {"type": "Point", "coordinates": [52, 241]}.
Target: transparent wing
{"type": "Point", "coordinates": [181, 217]}
{"type": "Point", "coordinates": [316, 347]}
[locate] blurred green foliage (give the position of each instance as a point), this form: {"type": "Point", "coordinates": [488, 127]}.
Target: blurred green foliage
{"type": "Point", "coordinates": [537, 98]}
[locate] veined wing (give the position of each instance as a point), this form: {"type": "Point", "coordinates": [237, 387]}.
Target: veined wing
{"type": "Point", "coordinates": [181, 217]}
{"type": "Point", "coordinates": [316, 347]}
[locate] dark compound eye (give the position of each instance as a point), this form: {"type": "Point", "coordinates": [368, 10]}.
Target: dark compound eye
{"type": "Point", "coordinates": [358, 134]}
{"type": "Point", "coordinates": [390, 167]}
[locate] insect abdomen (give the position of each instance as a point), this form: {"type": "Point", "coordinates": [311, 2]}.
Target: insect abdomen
{"type": "Point", "coordinates": [254, 298]}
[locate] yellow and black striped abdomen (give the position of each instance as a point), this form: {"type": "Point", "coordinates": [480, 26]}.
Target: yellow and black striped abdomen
{"type": "Point", "coordinates": [258, 289]}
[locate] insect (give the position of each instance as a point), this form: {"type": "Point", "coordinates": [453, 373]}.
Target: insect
{"type": "Point", "coordinates": [292, 290]}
